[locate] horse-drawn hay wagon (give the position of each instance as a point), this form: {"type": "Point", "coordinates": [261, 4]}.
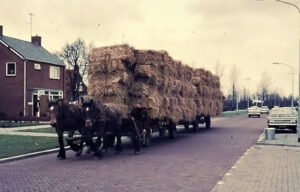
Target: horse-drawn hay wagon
{"type": "Point", "coordinates": [159, 91]}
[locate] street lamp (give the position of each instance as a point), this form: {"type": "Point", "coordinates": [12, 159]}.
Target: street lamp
{"type": "Point", "coordinates": [292, 69]}
{"type": "Point", "coordinates": [298, 9]}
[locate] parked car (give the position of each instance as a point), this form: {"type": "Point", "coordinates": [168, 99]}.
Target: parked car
{"type": "Point", "coordinates": [283, 118]}
{"type": "Point", "coordinates": [254, 111]}
{"type": "Point", "coordinates": [265, 110]}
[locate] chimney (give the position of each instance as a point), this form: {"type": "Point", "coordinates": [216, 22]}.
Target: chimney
{"type": "Point", "coordinates": [1, 30]}
{"type": "Point", "coordinates": [37, 40]}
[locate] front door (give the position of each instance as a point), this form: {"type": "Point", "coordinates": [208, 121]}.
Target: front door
{"type": "Point", "coordinates": [35, 106]}
{"type": "Point", "coordinates": [43, 105]}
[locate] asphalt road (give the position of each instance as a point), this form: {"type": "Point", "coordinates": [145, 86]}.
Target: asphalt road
{"type": "Point", "coordinates": [190, 163]}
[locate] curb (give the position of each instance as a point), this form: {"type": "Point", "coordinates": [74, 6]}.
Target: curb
{"type": "Point", "coordinates": [28, 155]}
{"type": "Point", "coordinates": [281, 145]}
{"type": "Point", "coordinates": [262, 141]}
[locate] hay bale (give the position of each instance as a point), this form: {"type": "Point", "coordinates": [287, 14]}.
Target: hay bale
{"type": "Point", "coordinates": [169, 89]}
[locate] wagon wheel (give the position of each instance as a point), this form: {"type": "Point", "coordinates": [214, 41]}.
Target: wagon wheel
{"type": "Point", "coordinates": [172, 130]}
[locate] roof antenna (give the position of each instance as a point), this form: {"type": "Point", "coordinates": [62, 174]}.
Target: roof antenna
{"type": "Point", "coordinates": [31, 15]}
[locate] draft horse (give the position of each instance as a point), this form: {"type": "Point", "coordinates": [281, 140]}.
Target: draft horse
{"type": "Point", "coordinates": [107, 121]}
{"type": "Point", "coordinates": [65, 117]}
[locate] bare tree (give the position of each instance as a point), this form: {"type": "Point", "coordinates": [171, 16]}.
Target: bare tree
{"type": "Point", "coordinates": [264, 86]}
{"type": "Point", "coordinates": [219, 69]}
{"type": "Point", "coordinates": [234, 74]}
{"type": "Point", "coordinates": [75, 55]}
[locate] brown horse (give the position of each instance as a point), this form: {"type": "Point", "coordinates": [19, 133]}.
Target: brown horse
{"type": "Point", "coordinates": [65, 117]}
{"type": "Point", "coordinates": [107, 120]}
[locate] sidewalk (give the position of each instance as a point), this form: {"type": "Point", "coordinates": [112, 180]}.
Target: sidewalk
{"type": "Point", "coordinates": [268, 166]}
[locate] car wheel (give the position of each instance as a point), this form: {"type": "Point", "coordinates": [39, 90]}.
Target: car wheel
{"type": "Point", "coordinates": [294, 129]}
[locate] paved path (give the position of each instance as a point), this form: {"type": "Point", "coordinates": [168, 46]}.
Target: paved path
{"type": "Point", "coordinates": [268, 166]}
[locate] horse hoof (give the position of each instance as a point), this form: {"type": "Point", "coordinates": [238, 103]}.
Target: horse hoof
{"type": "Point", "coordinates": [88, 151]}
{"type": "Point", "coordinates": [78, 154]}
{"type": "Point", "coordinates": [104, 151]}
{"type": "Point", "coordinates": [98, 154]}
{"type": "Point", "coordinates": [61, 158]}
{"type": "Point", "coordinates": [74, 147]}
{"type": "Point", "coordinates": [118, 150]}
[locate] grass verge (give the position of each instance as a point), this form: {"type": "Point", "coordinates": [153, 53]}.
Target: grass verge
{"type": "Point", "coordinates": [19, 124]}
{"type": "Point", "coordinates": [12, 145]}
{"type": "Point", "coordinates": [234, 113]}
{"type": "Point", "coordinates": [41, 130]}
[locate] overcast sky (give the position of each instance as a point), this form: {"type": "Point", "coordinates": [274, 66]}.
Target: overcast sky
{"type": "Point", "coordinates": [249, 34]}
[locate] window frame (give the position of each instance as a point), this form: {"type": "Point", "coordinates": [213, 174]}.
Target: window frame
{"type": "Point", "coordinates": [37, 66]}
{"type": "Point", "coordinates": [6, 71]}
{"type": "Point", "coordinates": [53, 75]}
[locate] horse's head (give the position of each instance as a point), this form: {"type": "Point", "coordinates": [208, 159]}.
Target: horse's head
{"type": "Point", "coordinates": [54, 108]}
{"type": "Point", "coordinates": [89, 111]}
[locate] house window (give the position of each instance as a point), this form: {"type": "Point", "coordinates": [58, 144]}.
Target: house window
{"type": "Point", "coordinates": [37, 66]}
{"type": "Point", "coordinates": [11, 69]}
{"type": "Point", "coordinates": [54, 72]}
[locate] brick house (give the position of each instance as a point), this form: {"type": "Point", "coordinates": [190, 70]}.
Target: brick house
{"type": "Point", "coordinates": [29, 76]}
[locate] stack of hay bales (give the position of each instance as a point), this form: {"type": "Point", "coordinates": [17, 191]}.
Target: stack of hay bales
{"type": "Point", "coordinates": [209, 99]}
{"type": "Point", "coordinates": [123, 75]}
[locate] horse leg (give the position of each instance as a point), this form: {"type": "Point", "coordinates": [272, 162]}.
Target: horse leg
{"type": "Point", "coordinates": [118, 148]}
{"type": "Point", "coordinates": [136, 137]}
{"type": "Point", "coordinates": [97, 145]}
{"type": "Point", "coordinates": [62, 152]}
{"type": "Point", "coordinates": [87, 138]}
{"type": "Point", "coordinates": [98, 150]}
{"type": "Point", "coordinates": [105, 142]}
{"type": "Point", "coordinates": [78, 153]}
{"type": "Point", "coordinates": [72, 145]}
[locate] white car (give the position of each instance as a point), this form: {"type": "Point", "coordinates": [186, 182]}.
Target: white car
{"type": "Point", "coordinates": [265, 109]}
{"type": "Point", "coordinates": [283, 118]}
{"type": "Point", "coordinates": [254, 111]}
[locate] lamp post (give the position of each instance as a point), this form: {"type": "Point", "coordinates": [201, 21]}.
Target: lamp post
{"type": "Point", "coordinates": [292, 69]}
